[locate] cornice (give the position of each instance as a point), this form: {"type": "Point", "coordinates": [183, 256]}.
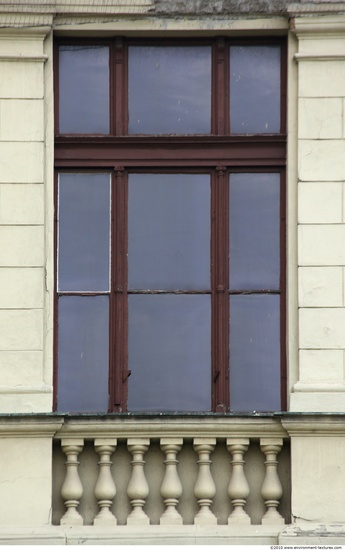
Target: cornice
{"type": "Point", "coordinates": [154, 427]}
{"type": "Point", "coordinates": [313, 27]}
{"type": "Point", "coordinates": [316, 7]}
{"type": "Point", "coordinates": [327, 425]}
{"type": "Point", "coordinates": [29, 426]}
{"type": "Point", "coordinates": [80, 7]}
{"type": "Point", "coordinates": [33, 13]}
{"type": "Point", "coordinates": [226, 8]}
{"type": "Point", "coordinates": [25, 21]}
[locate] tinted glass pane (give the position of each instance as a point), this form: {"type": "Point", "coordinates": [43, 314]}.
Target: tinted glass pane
{"type": "Point", "coordinates": [84, 89]}
{"type": "Point", "coordinates": [254, 353]}
{"type": "Point", "coordinates": [169, 353]}
{"type": "Point", "coordinates": [83, 346]}
{"type": "Point", "coordinates": [169, 231]}
{"type": "Point", "coordinates": [84, 232]}
{"type": "Point", "coordinates": [254, 89]}
{"type": "Point", "coordinates": [169, 90]}
{"type": "Point", "coordinates": [254, 231]}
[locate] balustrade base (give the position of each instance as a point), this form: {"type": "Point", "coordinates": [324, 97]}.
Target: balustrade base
{"type": "Point", "coordinates": [290, 535]}
{"type": "Point", "coordinates": [273, 520]}
{"type": "Point", "coordinates": [138, 521]}
{"type": "Point", "coordinates": [171, 521]}
{"type": "Point", "coordinates": [239, 520]}
{"type": "Point", "coordinates": [72, 519]}
{"type": "Point", "coordinates": [138, 535]}
{"type": "Point", "coordinates": [205, 521]}
{"type": "Point", "coordinates": [111, 521]}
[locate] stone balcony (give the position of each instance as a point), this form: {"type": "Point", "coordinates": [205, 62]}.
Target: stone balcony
{"type": "Point", "coordinates": [183, 475]}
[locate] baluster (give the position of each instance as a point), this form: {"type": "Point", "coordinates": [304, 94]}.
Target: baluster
{"type": "Point", "coordinates": [238, 489]}
{"type": "Point", "coordinates": [138, 488]}
{"type": "Point", "coordinates": [271, 489]}
{"type": "Point", "coordinates": [72, 489]}
{"type": "Point", "coordinates": [105, 489]}
{"type": "Point", "coordinates": [204, 489]}
{"type": "Point", "coordinates": [171, 488]}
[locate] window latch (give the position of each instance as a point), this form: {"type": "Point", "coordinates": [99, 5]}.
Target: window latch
{"type": "Point", "coordinates": [126, 375]}
{"type": "Point", "coordinates": [216, 376]}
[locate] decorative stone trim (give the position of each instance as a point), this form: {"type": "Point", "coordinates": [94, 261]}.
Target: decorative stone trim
{"type": "Point", "coordinates": [105, 489]}
{"type": "Point", "coordinates": [24, 426]}
{"type": "Point", "coordinates": [78, 6]}
{"type": "Point", "coordinates": [152, 535]}
{"type": "Point", "coordinates": [171, 488]}
{"type": "Point", "coordinates": [138, 488]}
{"type": "Point", "coordinates": [310, 425]}
{"type": "Point", "coordinates": [271, 490]}
{"type": "Point", "coordinates": [318, 387]}
{"type": "Point", "coordinates": [319, 57]}
{"type": "Point", "coordinates": [72, 489]}
{"type": "Point", "coordinates": [204, 489]}
{"type": "Point", "coordinates": [323, 24]}
{"type": "Point", "coordinates": [167, 426]}
{"type": "Point", "coordinates": [238, 489]}
{"type": "Point", "coordinates": [29, 58]}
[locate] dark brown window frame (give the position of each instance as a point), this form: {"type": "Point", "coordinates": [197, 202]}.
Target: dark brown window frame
{"type": "Point", "coordinates": [121, 154]}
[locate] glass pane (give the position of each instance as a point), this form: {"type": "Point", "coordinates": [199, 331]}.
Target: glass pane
{"type": "Point", "coordinates": [254, 231]}
{"type": "Point", "coordinates": [169, 231]}
{"type": "Point", "coordinates": [84, 232]}
{"type": "Point", "coordinates": [169, 353]}
{"type": "Point", "coordinates": [83, 349]}
{"type": "Point", "coordinates": [84, 89]}
{"type": "Point", "coordinates": [255, 353]}
{"type": "Point", "coordinates": [169, 90]}
{"type": "Point", "coordinates": [254, 89]}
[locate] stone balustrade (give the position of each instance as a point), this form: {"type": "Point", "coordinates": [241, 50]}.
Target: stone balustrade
{"type": "Point", "coordinates": [164, 471]}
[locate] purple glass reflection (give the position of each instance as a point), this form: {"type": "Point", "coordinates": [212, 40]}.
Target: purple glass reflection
{"type": "Point", "coordinates": [169, 90]}
{"type": "Point", "coordinates": [84, 232]}
{"type": "Point", "coordinates": [84, 89]}
{"type": "Point", "coordinates": [169, 353]}
{"type": "Point", "coordinates": [169, 231]}
{"type": "Point", "coordinates": [254, 231]}
{"type": "Point", "coordinates": [255, 353]}
{"type": "Point", "coordinates": [83, 351]}
{"type": "Point", "coordinates": [254, 89]}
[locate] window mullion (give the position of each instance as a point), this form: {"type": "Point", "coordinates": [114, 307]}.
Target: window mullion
{"type": "Point", "coordinates": [220, 88]}
{"type": "Point", "coordinates": [118, 368]}
{"type": "Point", "coordinates": [119, 81]}
{"type": "Point", "coordinates": [220, 302]}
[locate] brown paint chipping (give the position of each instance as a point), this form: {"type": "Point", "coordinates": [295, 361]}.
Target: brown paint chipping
{"type": "Point", "coordinates": [216, 154]}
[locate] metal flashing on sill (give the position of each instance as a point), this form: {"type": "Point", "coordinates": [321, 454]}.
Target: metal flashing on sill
{"type": "Point", "coordinates": [167, 415]}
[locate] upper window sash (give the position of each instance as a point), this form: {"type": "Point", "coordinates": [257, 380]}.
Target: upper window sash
{"type": "Point", "coordinates": [137, 88]}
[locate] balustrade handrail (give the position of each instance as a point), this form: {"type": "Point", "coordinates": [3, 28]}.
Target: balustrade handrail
{"type": "Point", "coordinates": [156, 427]}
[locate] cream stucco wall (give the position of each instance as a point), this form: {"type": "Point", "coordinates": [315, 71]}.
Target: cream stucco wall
{"type": "Point", "coordinates": [23, 387]}
{"type": "Point", "coordinates": [321, 228]}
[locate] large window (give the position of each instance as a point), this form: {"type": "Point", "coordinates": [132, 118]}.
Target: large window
{"type": "Point", "coordinates": [170, 231]}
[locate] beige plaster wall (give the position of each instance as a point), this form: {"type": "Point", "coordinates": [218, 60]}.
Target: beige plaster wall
{"type": "Point", "coordinates": [318, 476]}
{"type": "Point", "coordinates": [25, 478]}
{"type": "Point", "coordinates": [321, 215]}
{"type": "Point", "coordinates": [22, 219]}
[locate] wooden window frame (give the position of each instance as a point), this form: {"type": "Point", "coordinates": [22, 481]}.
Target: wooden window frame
{"type": "Point", "coordinates": [119, 154]}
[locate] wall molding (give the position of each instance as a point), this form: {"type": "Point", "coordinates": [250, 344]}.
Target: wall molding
{"type": "Point", "coordinates": [27, 58]}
